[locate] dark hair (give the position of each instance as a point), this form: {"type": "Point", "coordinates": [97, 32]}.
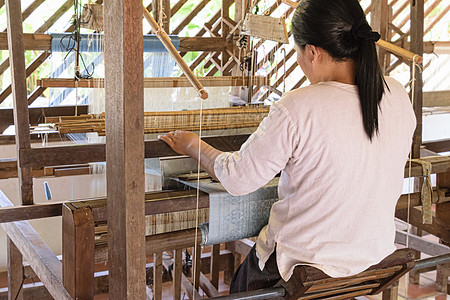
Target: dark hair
{"type": "Point", "coordinates": [340, 28]}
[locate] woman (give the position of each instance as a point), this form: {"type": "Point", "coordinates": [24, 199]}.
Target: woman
{"type": "Point", "coordinates": [341, 145]}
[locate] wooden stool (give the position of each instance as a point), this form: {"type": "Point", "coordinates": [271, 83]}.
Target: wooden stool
{"type": "Point", "coordinates": [310, 283]}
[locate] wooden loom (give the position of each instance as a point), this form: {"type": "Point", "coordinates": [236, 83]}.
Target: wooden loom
{"type": "Point", "coordinates": [161, 122]}
{"type": "Point", "coordinates": [46, 264]}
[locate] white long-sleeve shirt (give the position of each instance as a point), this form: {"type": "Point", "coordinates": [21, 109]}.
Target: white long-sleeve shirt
{"type": "Point", "coordinates": [338, 190]}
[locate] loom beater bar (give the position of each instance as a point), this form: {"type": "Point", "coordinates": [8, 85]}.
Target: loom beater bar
{"type": "Point", "coordinates": [165, 40]}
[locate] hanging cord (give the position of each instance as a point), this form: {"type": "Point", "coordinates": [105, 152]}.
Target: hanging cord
{"type": "Point", "coordinates": [196, 246]}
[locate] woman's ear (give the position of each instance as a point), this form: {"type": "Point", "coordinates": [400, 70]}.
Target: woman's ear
{"type": "Point", "coordinates": [314, 53]}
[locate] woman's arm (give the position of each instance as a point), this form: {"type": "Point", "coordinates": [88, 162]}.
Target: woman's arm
{"type": "Point", "coordinates": [188, 143]}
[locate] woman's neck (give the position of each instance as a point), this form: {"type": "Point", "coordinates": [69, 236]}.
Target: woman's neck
{"type": "Point", "coordinates": [340, 71]}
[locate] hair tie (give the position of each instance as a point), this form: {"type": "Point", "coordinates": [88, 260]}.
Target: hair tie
{"type": "Point", "coordinates": [361, 30]}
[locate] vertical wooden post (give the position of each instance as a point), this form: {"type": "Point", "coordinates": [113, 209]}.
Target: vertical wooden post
{"type": "Point", "coordinates": [196, 266]}
{"type": "Point", "coordinates": [15, 271]}
{"type": "Point", "coordinates": [443, 218]}
{"type": "Point", "coordinates": [78, 251]}
{"type": "Point", "coordinates": [442, 274]}
{"type": "Point", "coordinates": [157, 275]}
{"type": "Point", "coordinates": [417, 19]}
{"type": "Point", "coordinates": [414, 276]}
{"type": "Point", "coordinates": [239, 12]}
{"type": "Point", "coordinates": [125, 148]}
{"type": "Point", "coordinates": [165, 17]}
{"type": "Point", "coordinates": [391, 293]}
{"type": "Point", "coordinates": [379, 23]}
{"type": "Point", "coordinates": [443, 209]}
{"type": "Point", "coordinates": [19, 92]}
{"type": "Point", "coordinates": [176, 273]}
{"type": "Point", "coordinates": [233, 264]}
{"type": "Point", "coordinates": [214, 265]}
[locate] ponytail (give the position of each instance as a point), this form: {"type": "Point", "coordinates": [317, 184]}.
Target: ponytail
{"type": "Point", "coordinates": [368, 75]}
{"type": "Point", "coordinates": [340, 28]}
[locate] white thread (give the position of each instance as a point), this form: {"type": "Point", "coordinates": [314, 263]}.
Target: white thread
{"type": "Point", "coordinates": [196, 246]}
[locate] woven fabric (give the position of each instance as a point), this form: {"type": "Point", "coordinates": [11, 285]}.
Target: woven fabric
{"type": "Point", "coordinates": [236, 217]}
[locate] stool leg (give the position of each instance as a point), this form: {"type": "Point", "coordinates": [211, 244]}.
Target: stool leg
{"type": "Point", "coordinates": [391, 293]}
{"type": "Point", "coordinates": [414, 276]}
{"type": "Point", "coordinates": [442, 273]}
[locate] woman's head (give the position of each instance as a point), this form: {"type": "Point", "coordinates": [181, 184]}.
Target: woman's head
{"type": "Point", "coordinates": [339, 27]}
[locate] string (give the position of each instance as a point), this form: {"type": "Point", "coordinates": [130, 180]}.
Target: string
{"type": "Point", "coordinates": [196, 246]}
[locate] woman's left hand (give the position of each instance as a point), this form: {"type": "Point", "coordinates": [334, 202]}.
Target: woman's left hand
{"type": "Point", "coordinates": [182, 142]}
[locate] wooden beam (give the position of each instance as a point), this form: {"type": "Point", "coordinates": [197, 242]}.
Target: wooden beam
{"type": "Point", "coordinates": [52, 20]}
{"type": "Point", "coordinates": [35, 94]}
{"type": "Point", "coordinates": [79, 154]}
{"type": "Point", "coordinates": [417, 21]}
{"type": "Point", "coordinates": [157, 275]}
{"type": "Point", "coordinates": [177, 7]}
{"type": "Point", "coordinates": [190, 16]}
{"type": "Point", "coordinates": [415, 219]}
{"type": "Point", "coordinates": [42, 41]}
{"type": "Point", "coordinates": [15, 271]}
{"type": "Point", "coordinates": [124, 92]}
{"type": "Point", "coordinates": [155, 203]}
{"type": "Point", "coordinates": [443, 209]}
{"type": "Point", "coordinates": [438, 146]}
{"type": "Point", "coordinates": [31, 8]}
{"type": "Point", "coordinates": [162, 13]}
{"type": "Point", "coordinates": [29, 212]}
{"type": "Point", "coordinates": [36, 252]}
{"type": "Point", "coordinates": [420, 244]}
{"type": "Point", "coordinates": [29, 70]}
{"type": "Point", "coordinates": [19, 90]}
{"type": "Point", "coordinates": [206, 44]}
{"type": "Point", "coordinates": [155, 82]}
{"type": "Point", "coordinates": [78, 237]}
{"type": "Point", "coordinates": [436, 98]}
{"type": "Point", "coordinates": [177, 270]}
{"type": "Point", "coordinates": [379, 22]}
{"type": "Point", "coordinates": [36, 114]}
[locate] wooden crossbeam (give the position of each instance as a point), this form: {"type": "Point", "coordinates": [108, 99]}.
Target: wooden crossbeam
{"type": "Point", "coordinates": [171, 204]}
{"type": "Point", "coordinates": [190, 16]}
{"type": "Point", "coordinates": [36, 252]}
{"type": "Point", "coordinates": [437, 19]}
{"type": "Point", "coordinates": [35, 94]}
{"type": "Point", "coordinates": [52, 20]}
{"type": "Point", "coordinates": [420, 244]}
{"type": "Point", "coordinates": [177, 7]}
{"type": "Point", "coordinates": [30, 69]}
{"type": "Point", "coordinates": [42, 41]}
{"type": "Point", "coordinates": [438, 146]}
{"type": "Point", "coordinates": [154, 82]}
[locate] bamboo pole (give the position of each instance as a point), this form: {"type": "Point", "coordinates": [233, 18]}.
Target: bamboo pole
{"type": "Point", "coordinates": [164, 38]}
{"type": "Point", "coordinates": [399, 51]}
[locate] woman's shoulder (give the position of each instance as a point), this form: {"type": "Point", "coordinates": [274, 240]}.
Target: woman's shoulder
{"type": "Point", "coordinates": [316, 95]}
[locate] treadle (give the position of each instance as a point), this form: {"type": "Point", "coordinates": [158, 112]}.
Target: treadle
{"type": "Point", "coordinates": [309, 283]}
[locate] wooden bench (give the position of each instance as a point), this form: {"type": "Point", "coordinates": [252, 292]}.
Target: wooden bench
{"type": "Point", "coordinates": [310, 283]}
